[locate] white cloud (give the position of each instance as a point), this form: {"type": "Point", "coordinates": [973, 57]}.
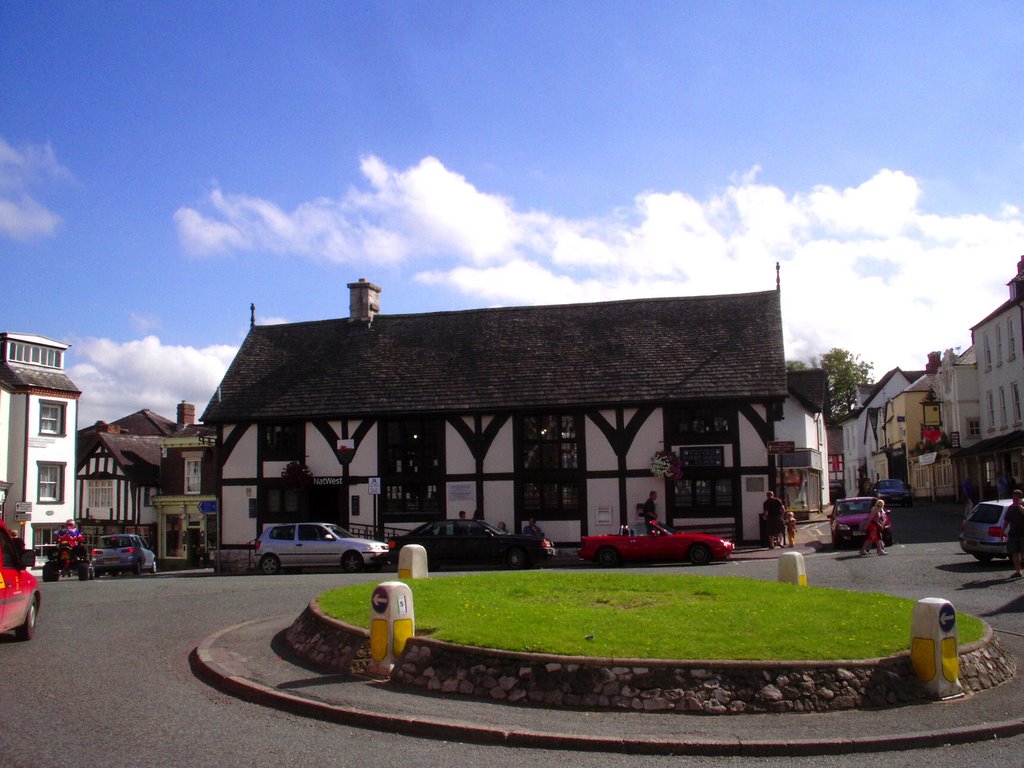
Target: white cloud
{"type": "Point", "coordinates": [117, 379]}
{"type": "Point", "coordinates": [864, 268]}
{"type": "Point", "coordinates": [22, 217]}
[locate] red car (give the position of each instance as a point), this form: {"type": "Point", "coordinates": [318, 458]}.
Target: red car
{"type": "Point", "coordinates": [653, 542]}
{"type": "Point", "coordinates": [19, 591]}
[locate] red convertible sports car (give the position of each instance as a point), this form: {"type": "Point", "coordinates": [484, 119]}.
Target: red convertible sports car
{"type": "Point", "coordinates": [653, 542]}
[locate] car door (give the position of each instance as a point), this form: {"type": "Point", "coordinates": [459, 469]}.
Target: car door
{"type": "Point", "coordinates": [284, 545]}
{"type": "Point", "coordinates": [472, 544]}
{"type": "Point", "coordinates": [13, 599]}
{"type": "Point", "coordinates": [316, 546]}
{"type": "Point", "coordinates": [441, 546]}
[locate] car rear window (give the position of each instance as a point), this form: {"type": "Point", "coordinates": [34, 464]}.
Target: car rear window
{"type": "Point", "coordinates": [115, 542]}
{"type": "Point", "coordinates": [986, 513]}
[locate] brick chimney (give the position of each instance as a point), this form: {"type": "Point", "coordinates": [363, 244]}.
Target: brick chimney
{"type": "Point", "coordinates": [363, 301]}
{"type": "Point", "coordinates": [934, 363]}
{"type": "Point", "coordinates": [186, 414]}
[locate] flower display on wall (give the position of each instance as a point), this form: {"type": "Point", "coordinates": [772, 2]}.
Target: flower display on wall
{"type": "Point", "coordinates": [296, 476]}
{"type": "Point", "coordinates": [667, 464]}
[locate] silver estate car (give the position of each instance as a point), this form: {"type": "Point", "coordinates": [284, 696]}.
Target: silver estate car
{"type": "Point", "coordinates": [299, 545]}
{"type": "Point", "coordinates": [983, 531]}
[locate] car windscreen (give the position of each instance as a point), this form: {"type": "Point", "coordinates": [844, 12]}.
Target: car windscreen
{"type": "Point", "coordinates": [987, 514]}
{"type": "Point", "coordinates": [890, 485]}
{"type": "Point", "coordinates": [854, 507]}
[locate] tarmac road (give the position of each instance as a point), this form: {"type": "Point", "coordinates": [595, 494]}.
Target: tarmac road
{"type": "Point", "coordinates": [107, 678]}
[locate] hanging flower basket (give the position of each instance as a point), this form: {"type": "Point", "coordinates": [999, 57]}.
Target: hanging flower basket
{"type": "Point", "coordinates": [667, 464]}
{"type": "Point", "coordinates": [296, 476]}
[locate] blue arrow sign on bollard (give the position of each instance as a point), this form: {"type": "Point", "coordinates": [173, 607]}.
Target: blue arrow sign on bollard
{"type": "Point", "coordinates": [947, 618]}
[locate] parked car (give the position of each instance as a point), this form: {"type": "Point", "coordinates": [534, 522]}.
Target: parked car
{"type": "Point", "coordinates": [19, 591]}
{"type": "Point", "coordinates": [983, 531]}
{"type": "Point", "coordinates": [893, 491]}
{"type": "Point", "coordinates": [299, 545]}
{"type": "Point", "coordinates": [118, 553]}
{"type": "Point", "coordinates": [654, 542]}
{"type": "Point", "coordinates": [473, 542]}
{"type": "Point", "coordinates": [849, 522]}
{"type": "Point", "coordinates": [836, 490]}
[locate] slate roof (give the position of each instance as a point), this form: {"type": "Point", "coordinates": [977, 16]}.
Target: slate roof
{"type": "Point", "coordinates": [137, 455]}
{"type": "Point", "coordinates": [21, 377]}
{"type": "Point", "coordinates": [809, 387]}
{"type": "Point", "coordinates": [492, 360]}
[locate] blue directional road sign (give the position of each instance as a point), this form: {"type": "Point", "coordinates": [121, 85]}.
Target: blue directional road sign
{"type": "Point", "coordinates": [208, 507]}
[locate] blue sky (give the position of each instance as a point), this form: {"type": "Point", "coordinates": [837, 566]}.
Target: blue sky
{"type": "Point", "coordinates": [164, 165]}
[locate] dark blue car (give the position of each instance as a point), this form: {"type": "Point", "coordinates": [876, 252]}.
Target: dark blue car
{"type": "Point", "coordinates": [893, 491]}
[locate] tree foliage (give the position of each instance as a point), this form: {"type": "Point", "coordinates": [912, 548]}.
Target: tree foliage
{"type": "Point", "coordinates": [843, 372]}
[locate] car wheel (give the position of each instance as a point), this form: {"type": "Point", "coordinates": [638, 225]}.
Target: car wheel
{"type": "Point", "coordinates": [982, 557]}
{"type": "Point", "coordinates": [270, 565]}
{"type": "Point", "coordinates": [836, 543]}
{"type": "Point", "coordinates": [608, 557]}
{"type": "Point", "coordinates": [515, 558]}
{"type": "Point", "coordinates": [51, 572]}
{"type": "Point", "coordinates": [351, 562]}
{"type": "Point", "coordinates": [27, 630]}
{"type": "Point", "coordinates": [699, 554]}
{"type": "Point", "coordinates": [138, 568]}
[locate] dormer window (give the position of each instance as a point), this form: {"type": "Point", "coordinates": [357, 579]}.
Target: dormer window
{"type": "Point", "coordinates": [34, 354]}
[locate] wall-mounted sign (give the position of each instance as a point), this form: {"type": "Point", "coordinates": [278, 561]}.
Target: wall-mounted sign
{"type": "Point", "coordinates": [702, 456]}
{"type": "Point", "coordinates": [776, 447]}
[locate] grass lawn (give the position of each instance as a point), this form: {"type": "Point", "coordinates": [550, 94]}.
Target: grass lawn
{"type": "Point", "coordinates": [651, 616]}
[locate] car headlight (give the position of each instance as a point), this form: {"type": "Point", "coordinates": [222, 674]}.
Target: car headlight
{"type": "Point", "coordinates": [842, 527]}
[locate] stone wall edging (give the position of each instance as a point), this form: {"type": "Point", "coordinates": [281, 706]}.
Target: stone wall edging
{"type": "Point", "coordinates": [647, 685]}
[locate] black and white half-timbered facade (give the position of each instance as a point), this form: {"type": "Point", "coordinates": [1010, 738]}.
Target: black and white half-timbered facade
{"type": "Point", "coordinates": [552, 412]}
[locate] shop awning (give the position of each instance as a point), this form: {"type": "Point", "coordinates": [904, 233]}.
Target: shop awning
{"type": "Point", "coordinates": [998, 444]}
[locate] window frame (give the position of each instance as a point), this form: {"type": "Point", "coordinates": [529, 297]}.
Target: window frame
{"type": "Point", "coordinates": [58, 482]}
{"type": "Point", "coordinates": [412, 462]}
{"type": "Point", "coordinates": [283, 441]}
{"type": "Point", "coordinates": [60, 421]}
{"type": "Point", "coordinates": [93, 489]}
{"type": "Point", "coordinates": [193, 480]}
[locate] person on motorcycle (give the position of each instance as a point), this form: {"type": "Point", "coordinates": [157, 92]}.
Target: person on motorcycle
{"type": "Point", "coordinates": [70, 534]}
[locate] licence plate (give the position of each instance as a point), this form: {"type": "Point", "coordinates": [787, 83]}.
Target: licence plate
{"type": "Point", "coordinates": [970, 543]}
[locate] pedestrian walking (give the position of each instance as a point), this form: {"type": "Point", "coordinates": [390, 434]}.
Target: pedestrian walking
{"type": "Point", "coordinates": [874, 529]}
{"type": "Point", "coordinates": [772, 511]}
{"type": "Point", "coordinates": [789, 518]}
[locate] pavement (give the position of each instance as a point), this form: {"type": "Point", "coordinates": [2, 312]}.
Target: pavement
{"type": "Point", "coordinates": [253, 662]}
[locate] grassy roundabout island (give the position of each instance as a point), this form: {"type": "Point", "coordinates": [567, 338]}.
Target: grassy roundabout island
{"type": "Point", "coordinates": [652, 616]}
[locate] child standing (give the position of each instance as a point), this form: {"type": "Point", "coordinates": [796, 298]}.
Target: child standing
{"type": "Point", "coordinates": [790, 520]}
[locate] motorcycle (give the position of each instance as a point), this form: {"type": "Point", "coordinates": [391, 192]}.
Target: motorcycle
{"type": "Point", "coordinates": [69, 558]}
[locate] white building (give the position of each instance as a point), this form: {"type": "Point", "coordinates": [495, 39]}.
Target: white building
{"type": "Point", "coordinates": [801, 473]}
{"type": "Point", "coordinates": [999, 347]}
{"type": "Point", "coordinates": [38, 420]}
{"type": "Point", "coordinates": [863, 430]}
